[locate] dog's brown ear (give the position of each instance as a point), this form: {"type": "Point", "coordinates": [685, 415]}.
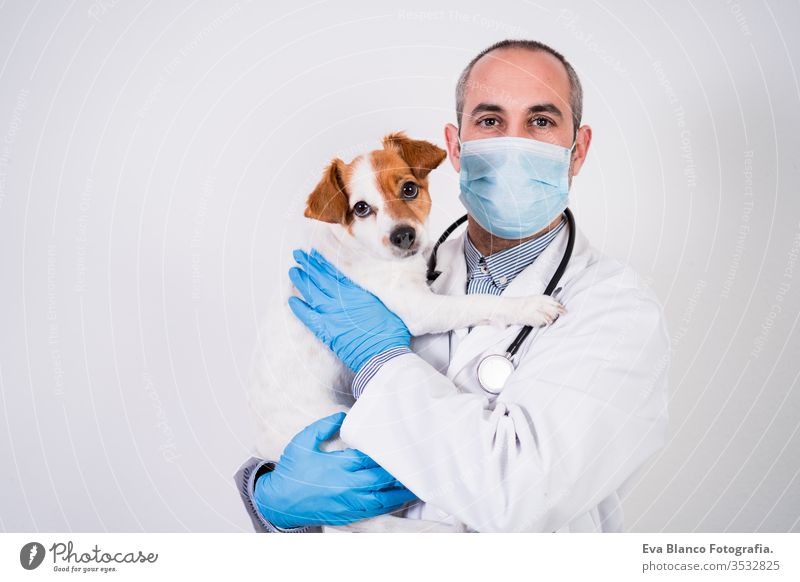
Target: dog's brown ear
{"type": "Point", "coordinates": [421, 156]}
{"type": "Point", "coordinates": [328, 202]}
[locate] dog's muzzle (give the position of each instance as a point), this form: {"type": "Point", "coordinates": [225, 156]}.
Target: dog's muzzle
{"type": "Point", "coordinates": [403, 237]}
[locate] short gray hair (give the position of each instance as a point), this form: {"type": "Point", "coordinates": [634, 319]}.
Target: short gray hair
{"type": "Point", "coordinates": [575, 88]}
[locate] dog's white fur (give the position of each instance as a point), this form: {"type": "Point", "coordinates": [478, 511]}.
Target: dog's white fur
{"type": "Point", "coordinates": [296, 379]}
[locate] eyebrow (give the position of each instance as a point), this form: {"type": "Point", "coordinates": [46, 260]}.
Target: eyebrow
{"type": "Point", "coordinates": [545, 108]}
{"type": "Point", "coordinates": [494, 108]}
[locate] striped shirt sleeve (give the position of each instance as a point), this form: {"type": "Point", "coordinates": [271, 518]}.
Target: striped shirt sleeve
{"type": "Point", "coordinates": [245, 479]}
{"type": "Point", "coordinates": [372, 366]}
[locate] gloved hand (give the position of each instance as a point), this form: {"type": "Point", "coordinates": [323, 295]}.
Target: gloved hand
{"type": "Point", "coordinates": [312, 487]}
{"type": "Point", "coordinates": [348, 319]}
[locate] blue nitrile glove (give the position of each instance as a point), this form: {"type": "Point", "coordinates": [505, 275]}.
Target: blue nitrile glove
{"type": "Point", "coordinates": [351, 321]}
{"type": "Point", "coordinates": [312, 487]}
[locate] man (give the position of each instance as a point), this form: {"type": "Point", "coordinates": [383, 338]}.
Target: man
{"type": "Point", "coordinates": [586, 404]}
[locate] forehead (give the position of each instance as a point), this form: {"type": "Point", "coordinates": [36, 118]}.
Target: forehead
{"type": "Point", "coordinates": [516, 79]}
{"type": "Point", "coordinates": [376, 178]}
{"type": "Point", "coordinates": [372, 177]}
{"type": "Point", "coordinates": [388, 162]}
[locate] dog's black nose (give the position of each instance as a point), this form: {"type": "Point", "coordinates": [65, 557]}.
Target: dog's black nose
{"type": "Point", "coordinates": [403, 237]}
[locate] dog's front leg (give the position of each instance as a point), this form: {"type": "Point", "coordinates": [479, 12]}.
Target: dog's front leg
{"type": "Point", "coordinates": [425, 312]}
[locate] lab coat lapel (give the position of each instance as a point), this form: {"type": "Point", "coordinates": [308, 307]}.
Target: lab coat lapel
{"type": "Point", "coordinates": [436, 348]}
{"type": "Point", "coordinates": [453, 278]}
{"type": "Point", "coordinates": [531, 281]}
{"type": "Point", "coordinates": [450, 261]}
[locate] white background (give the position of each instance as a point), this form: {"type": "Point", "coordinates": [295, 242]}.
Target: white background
{"type": "Point", "coordinates": [155, 158]}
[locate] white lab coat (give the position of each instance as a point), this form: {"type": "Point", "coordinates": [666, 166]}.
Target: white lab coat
{"type": "Point", "coordinates": [584, 409]}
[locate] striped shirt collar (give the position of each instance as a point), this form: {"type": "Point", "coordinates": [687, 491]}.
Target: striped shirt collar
{"type": "Point", "coordinates": [493, 273]}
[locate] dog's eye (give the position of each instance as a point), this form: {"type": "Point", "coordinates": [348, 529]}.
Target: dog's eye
{"type": "Point", "coordinates": [410, 190]}
{"type": "Point", "coordinates": [362, 209]}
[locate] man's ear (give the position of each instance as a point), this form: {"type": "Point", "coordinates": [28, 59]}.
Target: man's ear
{"type": "Point", "coordinates": [453, 146]}
{"type": "Point", "coordinates": [329, 202]}
{"type": "Point", "coordinates": [421, 156]}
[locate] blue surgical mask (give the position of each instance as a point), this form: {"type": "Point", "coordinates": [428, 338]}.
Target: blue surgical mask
{"type": "Point", "coordinates": [514, 186]}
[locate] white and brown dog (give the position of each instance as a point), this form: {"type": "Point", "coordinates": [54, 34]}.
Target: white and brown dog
{"type": "Point", "coordinates": [376, 207]}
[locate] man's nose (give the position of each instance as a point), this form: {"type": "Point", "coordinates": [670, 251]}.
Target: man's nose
{"type": "Point", "coordinates": [518, 130]}
{"type": "Point", "coordinates": [403, 237]}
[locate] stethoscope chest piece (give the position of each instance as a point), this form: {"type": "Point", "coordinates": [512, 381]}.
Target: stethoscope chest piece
{"type": "Point", "coordinates": [493, 371]}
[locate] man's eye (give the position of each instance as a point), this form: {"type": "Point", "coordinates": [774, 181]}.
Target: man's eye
{"type": "Point", "coordinates": [410, 190]}
{"type": "Point", "coordinates": [542, 122]}
{"type": "Point", "coordinates": [362, 209]}
{"type": "Point", "coordinates": [489, 122]}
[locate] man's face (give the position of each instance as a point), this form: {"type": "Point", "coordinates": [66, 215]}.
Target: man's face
{"type": "Point", "coordinates": [520, 93]}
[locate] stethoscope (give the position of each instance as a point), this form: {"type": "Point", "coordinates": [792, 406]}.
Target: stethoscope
{"type": "Point", "coordinates": [494, 369]}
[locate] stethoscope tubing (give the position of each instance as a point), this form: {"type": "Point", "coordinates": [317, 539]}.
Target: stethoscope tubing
{"type": "Point", "coordinates": [562, 266]}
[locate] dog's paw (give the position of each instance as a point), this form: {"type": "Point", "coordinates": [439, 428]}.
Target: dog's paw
{"type": "Point", "coordinates": [541, 310]}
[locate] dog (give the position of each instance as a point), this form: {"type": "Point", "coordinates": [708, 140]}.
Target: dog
{"type": "Point", "coordinates": [375, 210]}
